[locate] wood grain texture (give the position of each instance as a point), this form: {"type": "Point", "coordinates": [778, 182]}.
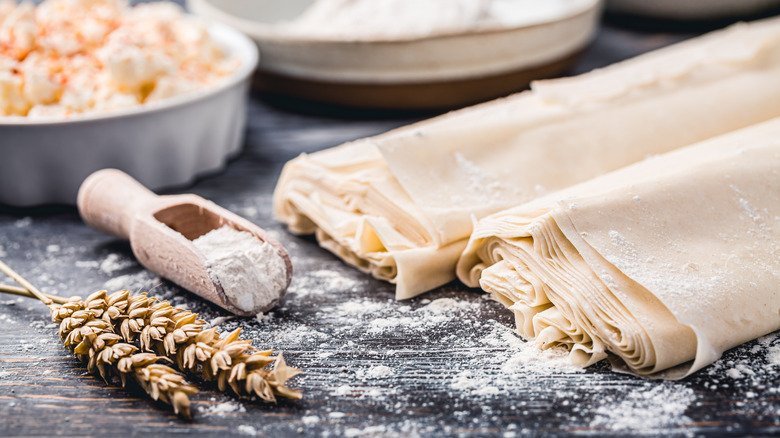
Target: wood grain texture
{"type": "Point", "coordinates": [445, 373]}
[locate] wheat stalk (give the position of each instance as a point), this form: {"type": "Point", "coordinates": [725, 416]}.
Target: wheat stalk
{"type": "Point", "coordinates": [179, 335]}
{"type": "Point", "coordinates": [94, 341]}
{"type": "Point", "coordinates": [13, 290]}
{"type": "Point", "coordinates": [102, 329]}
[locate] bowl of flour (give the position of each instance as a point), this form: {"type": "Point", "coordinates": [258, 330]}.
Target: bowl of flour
{"type": "Point", "coordinates": [407, 54]}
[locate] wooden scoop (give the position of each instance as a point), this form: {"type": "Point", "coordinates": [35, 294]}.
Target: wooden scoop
{"type": "Point", "coordinates": [161, 230]}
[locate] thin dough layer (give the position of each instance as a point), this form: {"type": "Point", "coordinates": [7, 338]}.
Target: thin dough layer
{"type": "Point", "coordinates": [400, 205]}
{"type": "Point", "coordinates": [664, 264]}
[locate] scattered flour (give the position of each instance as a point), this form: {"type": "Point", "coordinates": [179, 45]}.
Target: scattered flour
{"type": "Point", "coordinates": [352, 432]}
{"type": "Point", "coordinates": [754, 372]}
{"type": "Point", "coordinates": [476, 363]}
{"type": "Point", "coordinates": [517, 361]}
{"type": "Point", "coordinates": [343, 390]}
{"type": "Point", "coordinates": [379, 371]}
{"type": "Point", "coordinates": [443, 305]}
{"type": "Point", "coordinates": [531, 359]}
{"type": "Point", "coordinates": [244, 429]}
{"type": "Point", "coordinates": [310, 419]}
{"type": "Point", "coordinates": [220, 320]}
{"type": "Point", "coordinates": [435, 313]}
{"type": "Point", "coordinates": [251, 272]}
{"type": "Point", "coordinates": [114, 262]}
{"type": "Point", "coordinates": [773, 356]}
{"type": "Point", "coordinates": [739, 372]}
{"type": "Point", "coordinates": [526, 357]}
{"type": "Point", "coordinates": [298, 333]}
{"type": "Point", "coordinates": [142, 281]}
{"type": "Point", "coordinates": [263, 317]}
{"type": "Point", "coordinates": [645, 410]}
{"type": "Point", "coordinates": [487, 390]}
{"type": "Point", "coordinates": [2, 251]}
{"type": "Point", "coordinates": [38, 324]}
{"type": "Point", "coordinates": [769, 345]}
{"type": "Point", "coordinates": [87, 264]}
{"type": "Point", "coordinates": [250, 211]}
{"type": "Point", "coordinates": [383, 325]}
{"type": "Point", "coordinates": [361, 307]}
{"type": "Point", "coordinates": [220, 409]}
{"type": "Point", "coordinates": [320, 282]}
{"type": "Point", "coordinates": [23, 222]}
{"type": "Point", "coordinates": [374, 372]}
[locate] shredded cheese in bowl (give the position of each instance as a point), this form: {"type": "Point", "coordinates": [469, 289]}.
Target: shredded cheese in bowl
{"type": "Point", "coordinates": [66, 57]}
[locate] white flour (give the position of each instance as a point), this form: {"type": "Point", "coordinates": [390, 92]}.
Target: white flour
{"type": "Point", "coordinates": [251, 272]}
{"type": "Point", "coordinates": [23, 222]}
{"type": "Point", "coordinates": [451, 351]}
{"type": "Point", "coordinates": [245, 429]}
{"type": "Point", "coordinates": [649, 408]}
{"type": "Point", "coordinates": [379, 371]}
{"type": "Point", "coordinates": [114, 262]}
{"type": "Point", "coordinates": [220, 409]}
{"type": "Point", "coordinates": [393, 19]}
{"type": "Point", "coordinates": [142, 281]}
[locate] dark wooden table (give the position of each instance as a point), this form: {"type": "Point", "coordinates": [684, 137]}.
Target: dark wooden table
{"type": "Point", "coordinates": [445, 363]}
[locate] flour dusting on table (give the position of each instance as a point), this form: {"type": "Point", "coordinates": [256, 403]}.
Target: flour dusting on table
{"type": "Point", "coordinates": [451, 351]}
{"type": "Point", "coordinates": [648, 408]}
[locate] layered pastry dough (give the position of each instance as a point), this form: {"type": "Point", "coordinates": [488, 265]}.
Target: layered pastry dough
{"type": "Point", "coordinates": [400, 205]}
{"type": "Point", "coordinates": [664, 264]}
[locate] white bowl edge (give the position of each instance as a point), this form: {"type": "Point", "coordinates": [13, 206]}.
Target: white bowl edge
{"type": "Point", "coordinates": [395, 61]}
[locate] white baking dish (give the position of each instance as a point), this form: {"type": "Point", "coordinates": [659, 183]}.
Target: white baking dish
{"type": "Point", "coordinates": [440, 70]}
{"type": "Point", "coordinates": [161, 144]}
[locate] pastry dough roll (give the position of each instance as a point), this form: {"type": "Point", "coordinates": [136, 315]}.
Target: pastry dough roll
{"type": "Point", "coordinates": [400, 205]}
{"type": "Point", "coordinates": [664, 264]}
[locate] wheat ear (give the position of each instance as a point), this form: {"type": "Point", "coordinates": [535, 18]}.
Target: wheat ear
{"type": "Point", "coordinates": [94, 341]}
{"type": "Point", "coordinates": [178, 334]}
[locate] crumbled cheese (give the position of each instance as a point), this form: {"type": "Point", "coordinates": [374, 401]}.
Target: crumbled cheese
{"type": "Point", "coordinates": [65, 57]}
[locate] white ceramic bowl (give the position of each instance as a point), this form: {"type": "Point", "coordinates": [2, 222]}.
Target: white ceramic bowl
{"type": "Point", "coordinates": [161, 144]}
{"type": "Point", "coordinates": [307, 67]}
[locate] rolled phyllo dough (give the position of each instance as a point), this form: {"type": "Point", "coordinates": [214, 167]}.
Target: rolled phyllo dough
{"type": "Point", "coordinates": [662, 265]}
{"type": "Point", "coordinates": [400, 205]}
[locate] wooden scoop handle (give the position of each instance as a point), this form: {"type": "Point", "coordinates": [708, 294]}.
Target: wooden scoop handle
{"type": "Point", "coordinates": [109, 199]}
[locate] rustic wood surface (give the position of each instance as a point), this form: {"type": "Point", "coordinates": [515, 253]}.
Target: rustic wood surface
{"type": "Point", "coordinates": [440, 364]}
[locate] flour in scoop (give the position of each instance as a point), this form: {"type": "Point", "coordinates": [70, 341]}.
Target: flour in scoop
{"type": "Point", "coordinates": [250, 271]}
